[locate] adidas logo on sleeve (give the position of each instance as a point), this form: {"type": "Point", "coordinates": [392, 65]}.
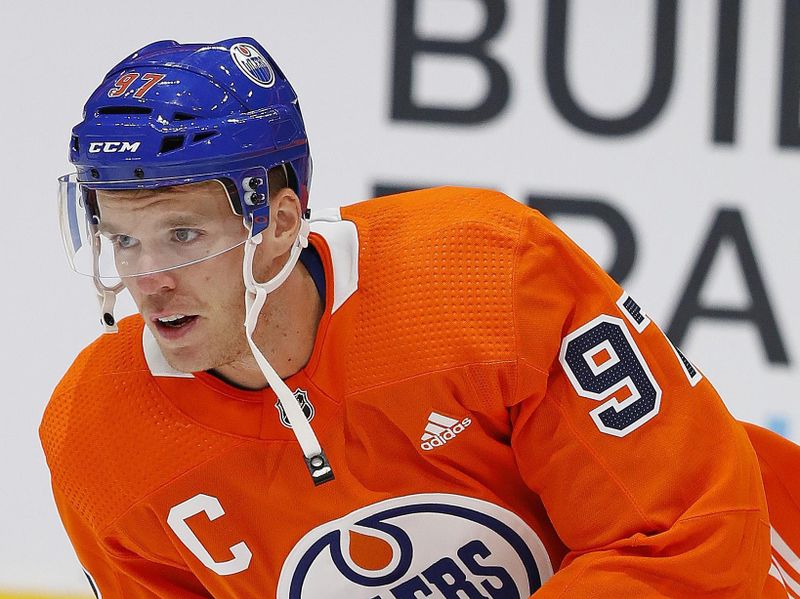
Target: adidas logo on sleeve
{"type": "Point", "coordinates": [441, 429]}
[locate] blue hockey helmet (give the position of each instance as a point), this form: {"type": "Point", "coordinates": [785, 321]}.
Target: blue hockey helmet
{"type": "Point", "coordinates": [172, 114]}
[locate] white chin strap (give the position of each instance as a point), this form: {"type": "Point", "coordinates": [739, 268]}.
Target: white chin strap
{"type": "Point", "coordinates": [255, 296]}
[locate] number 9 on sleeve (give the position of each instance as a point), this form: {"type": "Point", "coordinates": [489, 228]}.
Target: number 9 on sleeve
{"type": "Point", "coordinates": [601, 361]}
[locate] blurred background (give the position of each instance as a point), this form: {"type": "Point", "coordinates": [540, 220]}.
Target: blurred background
{"type": "Point", "coordinates": [662, 135]}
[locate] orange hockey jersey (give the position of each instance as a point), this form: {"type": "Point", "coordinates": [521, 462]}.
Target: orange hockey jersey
{"type": "Point", "coordinates": [779, 460]}
{"type": "Point", "coordinates": [502, 421]}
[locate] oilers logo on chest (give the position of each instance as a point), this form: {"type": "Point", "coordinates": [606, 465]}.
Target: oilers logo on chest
{"type": "Point", "coordinates": [432, 545]}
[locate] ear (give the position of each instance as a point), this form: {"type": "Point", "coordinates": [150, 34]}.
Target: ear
{"type": "Point", "coordinates": [285, 216]}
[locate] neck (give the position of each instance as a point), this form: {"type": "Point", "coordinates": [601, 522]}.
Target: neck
{"type": "Point", "coordinates": [286, 333]}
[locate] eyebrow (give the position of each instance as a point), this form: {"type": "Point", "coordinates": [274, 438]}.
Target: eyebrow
{"type": "Point", "coordinates": [169, 222]}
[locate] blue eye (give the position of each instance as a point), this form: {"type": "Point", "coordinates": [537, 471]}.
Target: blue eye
{"type": "Point", "coordinates": [185, 235]}
{"type": "Point", "coordinates": [125, 241]}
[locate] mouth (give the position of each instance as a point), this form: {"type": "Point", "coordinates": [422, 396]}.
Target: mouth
{"type": "Point", "coordinates": [173, 326]}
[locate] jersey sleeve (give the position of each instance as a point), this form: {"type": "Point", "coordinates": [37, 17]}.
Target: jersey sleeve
{"type": "Point", "coordinates": [647, 479]}
{"type": "Point", "coordinates": [117, 572]}
{"type": "Point", "coordinates": [779, 460]}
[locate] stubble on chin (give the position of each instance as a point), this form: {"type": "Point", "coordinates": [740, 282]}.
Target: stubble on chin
{"type": "Point", "coordinates": [212, 352]}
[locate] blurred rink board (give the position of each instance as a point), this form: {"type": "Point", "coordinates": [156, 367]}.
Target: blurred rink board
{"type": "Point", "coordinates": [662, 135]}
{"type": "Point", "coordinates": [40, 596]}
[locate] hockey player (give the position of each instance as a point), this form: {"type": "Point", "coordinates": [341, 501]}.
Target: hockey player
{"type": "Point", "coordinates": [435, 394]}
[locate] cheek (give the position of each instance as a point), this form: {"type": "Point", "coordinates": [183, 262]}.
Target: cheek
{"type": "Point", "coordinates": [223, 284]}
{"type": "Point", "coordinates": [135, 290]}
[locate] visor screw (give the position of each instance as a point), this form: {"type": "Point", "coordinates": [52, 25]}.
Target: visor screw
{"type": "Point", "coordinates": [254, 182]}
{"type": "Point", "coordinates": [108, 319]}
{"type": "Point", "coordinates": [95, 173]}
{"type": "Point", "coordinates": [252, 198]}
{"type": "Point", "coordinates": [138, 173]}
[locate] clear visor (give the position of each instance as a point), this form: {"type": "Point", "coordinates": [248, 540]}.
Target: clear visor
{"type": "Point", "coordinates": [123, 232]}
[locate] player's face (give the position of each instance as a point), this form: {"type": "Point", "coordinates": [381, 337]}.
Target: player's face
{"type": "Point", "coordinates": [195, 312]}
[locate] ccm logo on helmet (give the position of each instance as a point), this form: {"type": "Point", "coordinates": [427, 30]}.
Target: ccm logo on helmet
{"type": "Point", "coordinates": [438, 546]}
{"type": "Point", "coordinates": [113, 146]}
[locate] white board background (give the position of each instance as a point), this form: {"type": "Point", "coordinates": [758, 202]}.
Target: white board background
{"type": "Point", "coordinates": [668, 180]}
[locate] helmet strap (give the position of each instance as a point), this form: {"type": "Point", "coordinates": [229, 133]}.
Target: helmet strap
{"type": "Point", "coordinates": [255, 296]}
{"type": "Point", "coordinates": [106, 296]}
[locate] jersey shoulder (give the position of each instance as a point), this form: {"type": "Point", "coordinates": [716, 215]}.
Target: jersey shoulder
{"type": "Point", "coordinates": [108, 355]}
{"type": "Point", "coordinates": [106, 427]}
{"type": "Point", "coordinates": [420, 212]}
{"type": "Point", "coordinates": [436, 276]}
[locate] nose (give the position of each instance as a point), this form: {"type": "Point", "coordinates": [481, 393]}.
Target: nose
{"type": "Point", "coordinates": [154, 283]}
{"type": "Point", "coordinates": [144, 261]}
